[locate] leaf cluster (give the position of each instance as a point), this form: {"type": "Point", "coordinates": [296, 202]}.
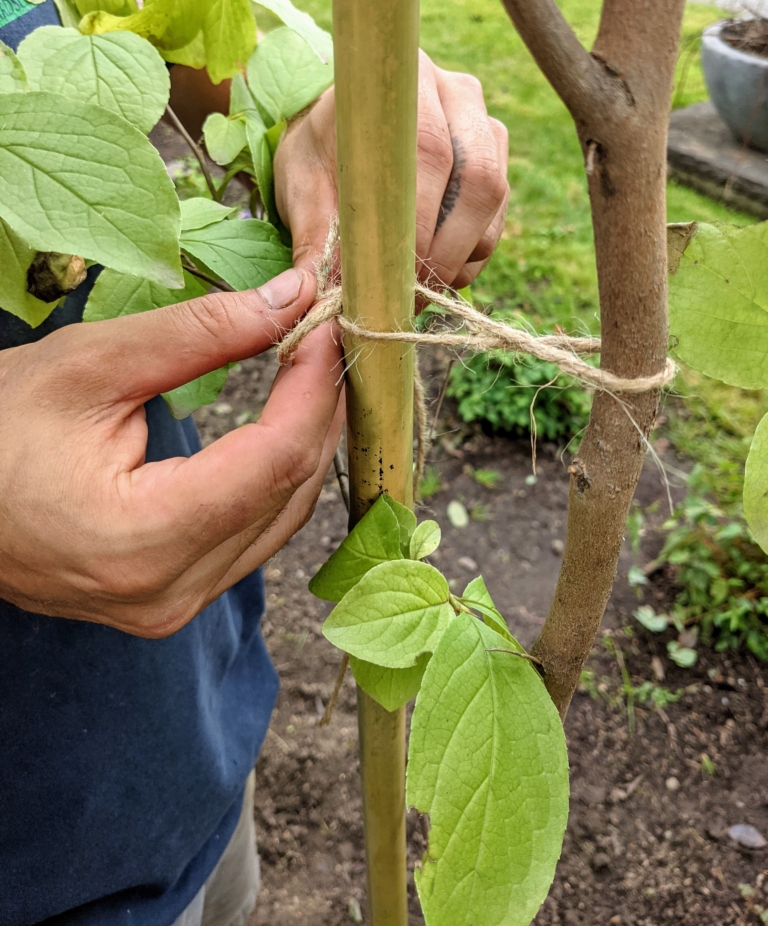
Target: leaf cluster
{"type": "Point", "coordinates": [78, 175]}
{"type": "Point", "coordinates": [487, 754]}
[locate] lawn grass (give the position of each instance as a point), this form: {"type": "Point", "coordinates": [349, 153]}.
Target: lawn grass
{"type": "Point", "coordinates": [544, 266]}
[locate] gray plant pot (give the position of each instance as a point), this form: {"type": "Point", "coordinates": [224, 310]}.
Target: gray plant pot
{"type": "Point", "coordinates": [738, 86]}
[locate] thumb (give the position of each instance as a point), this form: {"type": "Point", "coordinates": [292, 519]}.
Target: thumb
{"type": "Point", "coordinates": [159, 350]}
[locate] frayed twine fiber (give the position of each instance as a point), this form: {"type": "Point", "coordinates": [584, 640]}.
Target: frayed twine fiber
{"type": "Point", "coordinates": [481, 334]}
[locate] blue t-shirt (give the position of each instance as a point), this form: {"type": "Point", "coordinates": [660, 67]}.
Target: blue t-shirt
{"type": "Point", "coordinates": [122, 760]}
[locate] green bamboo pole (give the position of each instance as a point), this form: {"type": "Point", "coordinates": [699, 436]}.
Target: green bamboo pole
{"type": "Point", "coordinates": [376, 61]}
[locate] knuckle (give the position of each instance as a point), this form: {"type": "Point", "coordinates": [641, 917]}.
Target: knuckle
{"type": "Point", "coordinates": [434, 146]}
{"type": "Point", "coordinates": [298, 461]}
{"type": "Point", "coordinates": [214, 316]}
{"type": "Point", "coordinates": [485, 180]}
{"type": "Point", "coordinates": [467, 82]}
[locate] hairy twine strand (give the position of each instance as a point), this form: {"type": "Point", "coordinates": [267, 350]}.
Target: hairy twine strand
{"type": "Point", "coordinates": [480, 333]}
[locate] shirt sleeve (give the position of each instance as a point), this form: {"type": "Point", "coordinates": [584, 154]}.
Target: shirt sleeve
{"type": "Point", "coordinates": [20, 17]}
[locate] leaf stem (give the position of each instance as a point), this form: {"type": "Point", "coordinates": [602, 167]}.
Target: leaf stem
{"type": "Point", "coordinates": [196, 150]}
{"type": "Point", "coordinates": [514, 652]}
{"type": "Point", "coordinates": [219, 284]}
{"type": "Point", "coordinates": [326, 718]}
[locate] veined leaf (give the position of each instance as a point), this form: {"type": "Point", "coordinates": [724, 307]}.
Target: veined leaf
{"type": "Point", "coordinates": [425, 540]}
{"type": "Point", "coordinates": [375, 539]}
{"type": "Point", "coordinates": [756, 485]}
{"type": "Point", "coordinates": [12, 76]}
{"type": "Point", "coordinates": [167, 24]}
{"type": "Point", "coordinates": [121, 71]}
{"type": "Point", "coordinates": [117, 294]}
{"type": "Point", "coordinates": [258, 145]}
{"type": "Point", "coordinates": [15, 258]}
{"type": "Point", "coordinates": [229, 35]}
{"type": "Point", "coordinates": [224, 137]}
{"type": "Point", "coordinates": [477, 597]}
{"type": "Point", "coordinates": [77, 178]}
{"type": "Point", "coordinates": [487, 761]}
{"type": "Point", "coordinates": [718, 303]}
{"type": "Point", "coordinates": [407, 521]}
{"type": "Point", "coordinates": [246, 253]}
{"type": "Point", "coordinates": [285, 75]}
{"type": "Point", "coordinates": [396, 612]}
{"type": "Point", "coordinates": [392, 688]}
{"type": "Point", "coordinates": [199, 212]}
{"type": "Point", "coordinates": [201, 391]}
{"type": "Point", "coordinates": [302, 23]}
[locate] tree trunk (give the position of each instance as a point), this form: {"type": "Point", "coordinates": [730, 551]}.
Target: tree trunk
{"type": "Point", "coordinates": [619, 99]}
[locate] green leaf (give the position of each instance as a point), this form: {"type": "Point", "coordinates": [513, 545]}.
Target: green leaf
{"type": "Point", "coordinates": [718, 304]}
{"type": "Point", "coordinates": [229, 34]}
{"type": "Point", "coordinates": [477, 597]}
{"type": "Point", "coordinates": [407, 521]}
{"type": "Point", "coordinates": [656, 623]}
{"type": "Point", "coordinates": [15, 258]}
{"type": "Point", "coordinates": [117, 294]}
{"type": "Point", "coordinates": [245, 252]}
{"type": "Point", "coordinates": [199, 212]}
{"type": "Point", "coordinates": [68, 13]}
{"type": "Point", "coordinates": [392, 688]}
{"type": "Point", "coordinates": [77, 178]}
{"type": "Point", "coordinates": [375, 539]}
{"type": "Point", "coordinates": [167, 24]}
{"type": "Point", "coordinates": [261, 155]}
{"type": "Point", "coordinates": [192, 55]}
{"type": "Point", "coordinates": [285, 75]}
{"type": "Point", "coordinates": [224, 137]}
{"type": "Point", "coordinates": [396, 612]}
{"type": "Point", "coordinates": [12, 76]}
{"type": "Point", "coordinates": [756, 485]}
{"type": "Point", "coordinates": [425, 540]}
{"type": "Point", "coordinates": [201, 391]}
{"type": "Point", "coordinates": [120, 72]}
{"type": "Point", "coordinates": [683, 656]}
{"type": "Point", "coordinates": [302, 23]}
{"type": "Point", "coordinates": [487, 761]}
{"type": "Point", "coordinates": [115, 7]}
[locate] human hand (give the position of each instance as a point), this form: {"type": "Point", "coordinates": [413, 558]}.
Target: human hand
{"type": "Point", "coordinates": [461, 189]}
{"type": "Point", "coordinates": [90, 531]}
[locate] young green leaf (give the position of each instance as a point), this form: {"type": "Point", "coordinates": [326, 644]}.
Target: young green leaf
{"type": "Point", "coordinates": [15, 258]}
{"type": "Point", "coordinates": [756, 485]}
{"type": "Point", "coordinates": [199, 212]}
{"type": "Point", "coordinates": [375, 539]}
{"type": "Point", "coordinates": [245, 253]}
{"type": "Point", "coordinates": [718, 304]}
{"type": "Point", "coordinates": [69, 15]}
{"type": "Point", "coordinates": [192, 55]}
{"type": "Point", "coordinates": [477, 597]}
{"type": "Point", "coordinates": [167, 24]}
{"type": "Point", "coordinates": [224, 137]}
{"type": "Point", "coordinates": [407, 521]}
{"type": "Point", "coordinates": [117, 294]}
{"type": "Point", "coordinates": [12, 76]}
{"type": "Point", "coordinates": [201, 391]}
{"type": "Point", "coordinates": [77, 178]}
{"type": "Point", "coordinates": [302, 23]}
{"type": "Point", "coordinates": [425, 540]}
{"type": "Point", "coordinates": [229, 35]}
{"type": "Point", "coordinates": [488, 762]}
{"type": "Point", "coordinates": [285, 75]}
{"type": "Point", "coordinates": [258, 145]}
{"type": "Point", "coordinates": [115, 7]}
{"type": "Point", "coordinates": [121, 71]}
{"type": "Point", "coordinates": [656, 623]}
{"type": "Point", "coordinates": [392, 688]}
{"type": "Point", "coordinates": [396, 612]}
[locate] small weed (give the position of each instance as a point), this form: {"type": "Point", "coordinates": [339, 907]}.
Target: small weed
{"type": "Point", "coordinates": [488, 478]}
{"type": "Point", "coordinates": [431, 483]}
{"type": "Point", "coordinates": [480, 512]}
{"type": "Point", "coordinates": [708, 767]}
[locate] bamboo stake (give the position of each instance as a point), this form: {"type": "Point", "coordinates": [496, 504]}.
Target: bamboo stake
{"type": "Point", "coordinates": [376, 61]}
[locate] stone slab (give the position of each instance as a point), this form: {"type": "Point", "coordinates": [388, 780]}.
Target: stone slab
{"type": "Point", "coordinates": [704, 155]}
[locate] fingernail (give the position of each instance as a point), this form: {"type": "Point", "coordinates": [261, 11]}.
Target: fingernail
{"type": "Point", "coordinates": [283, 290]}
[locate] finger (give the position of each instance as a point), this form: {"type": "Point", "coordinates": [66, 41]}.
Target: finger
{"type": "Point", "coordinates": [305, 175]}
{"type": "Point", "coordinates": [247, 477]}
{"type": "Point", "coordinates": [468, 273]}
{"type": "Point", "coordinates": [477, 185]}
{"type": "Point", "coordinates": [160, 350]}
{"type": "Point", "coordinates": [434, 157]}
{"type": "Point", "coordinates": [487, 244]}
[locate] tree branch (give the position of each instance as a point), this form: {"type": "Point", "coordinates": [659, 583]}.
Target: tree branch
{"type": "Point", "coordinates": [195, 148]}
{"type": "Point", "coordinates": [579, 80]}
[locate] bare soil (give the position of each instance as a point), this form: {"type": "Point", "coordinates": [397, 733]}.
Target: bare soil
{"type": "Point", "coordinates": [652, 798]}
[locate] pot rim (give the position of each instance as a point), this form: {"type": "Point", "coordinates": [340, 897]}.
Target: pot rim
{"type": "Point", "coordinates": [711, 35]}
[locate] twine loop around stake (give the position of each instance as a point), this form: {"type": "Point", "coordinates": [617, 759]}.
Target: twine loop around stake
{"type": "Point", "coordinates": [480, 333]}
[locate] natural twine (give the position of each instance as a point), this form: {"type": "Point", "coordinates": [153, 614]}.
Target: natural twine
{"type": "Point", "coordinates": [481, 334]}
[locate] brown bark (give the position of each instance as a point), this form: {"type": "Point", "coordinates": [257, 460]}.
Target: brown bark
{"type": "Point", "coordinates": [621, 111]}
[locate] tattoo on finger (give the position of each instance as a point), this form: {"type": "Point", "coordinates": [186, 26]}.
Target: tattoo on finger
{"type": "Point", "coordinates": [453, 189]}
